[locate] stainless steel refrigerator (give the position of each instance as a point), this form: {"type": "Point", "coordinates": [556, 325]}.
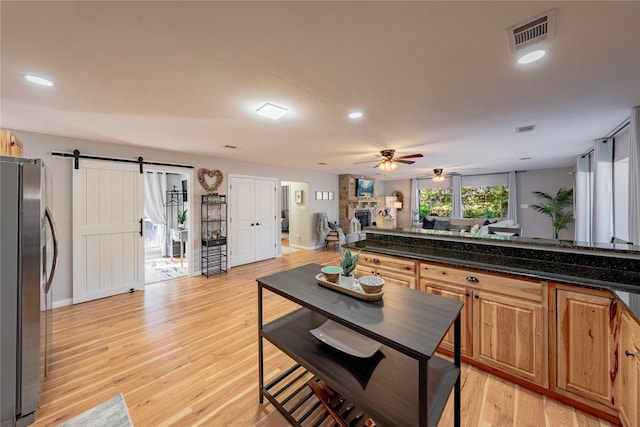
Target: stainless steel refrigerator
{"type": "Point", "coordinates": [26, 227]}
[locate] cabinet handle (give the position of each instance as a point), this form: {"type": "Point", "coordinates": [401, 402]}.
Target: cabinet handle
{"type": "Point", "coordinates": [472, 279]}
{"type": "Point", "coordinates": [373, 272]}
{"type": "Point", "coordinates": [467, 295]}
{"type": "Point", "coordinates": [141, 221]}
{"type": "Point", "coordinates": [476, 297]}
{"type": "Point", "coordinates": [376, 261]}
{"type": "Point", "coordinates": [629, 354]}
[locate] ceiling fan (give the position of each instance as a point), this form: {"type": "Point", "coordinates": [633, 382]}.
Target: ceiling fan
{"type": "Point", "coordinates": [389, 162]}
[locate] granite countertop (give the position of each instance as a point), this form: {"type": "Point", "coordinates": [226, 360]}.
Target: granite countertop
{"type": "Point", "coordinates": [607, 267]}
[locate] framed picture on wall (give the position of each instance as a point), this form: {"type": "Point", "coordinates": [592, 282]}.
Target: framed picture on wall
{"type": "Point", "coordinates": [325, 195]}
{"type": "Point", "coordinates": [318, 195]}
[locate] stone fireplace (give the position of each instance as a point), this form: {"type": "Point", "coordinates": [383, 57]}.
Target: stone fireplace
{"type": "Point", "coordinates": [354, 207]}
{"type": "Point", "coordinates": [364, 216]}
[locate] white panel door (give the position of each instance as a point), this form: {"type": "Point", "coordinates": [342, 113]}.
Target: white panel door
{"type": "Point", "coordinates": [241, 204]}
{"type": "Point", "coordinates": [252, 219]}
{"type": "Point", "coordinates": [265, 217]}
{"type": "Point", "coordinates": [107, 244]}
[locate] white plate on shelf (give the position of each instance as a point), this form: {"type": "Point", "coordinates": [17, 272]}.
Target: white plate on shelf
{"type": "Point", "coordinates": [503, 233]}
{"type": "Point", "coordinates": [345, 339]}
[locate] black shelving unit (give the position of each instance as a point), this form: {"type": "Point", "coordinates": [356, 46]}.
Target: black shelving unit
{"type": "Point", "coordinates": [214, 234]}
{"type": "Point", "coordinates": [174, 205]}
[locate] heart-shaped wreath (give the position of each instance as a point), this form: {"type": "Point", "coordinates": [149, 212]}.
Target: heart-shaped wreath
{"type": "Point", "coordinates": [202, 173]}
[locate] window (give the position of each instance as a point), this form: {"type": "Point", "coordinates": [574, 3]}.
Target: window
{"type": "Point", "coordinates": [485, 202]}
{"type": "Point", "coordinates": [435, 201]}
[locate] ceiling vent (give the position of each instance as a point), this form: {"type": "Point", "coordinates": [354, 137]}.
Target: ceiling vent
{"type": "Point", "coordinates": [532, 31]}
{"type": "Point", "coordinates": [528, 128]}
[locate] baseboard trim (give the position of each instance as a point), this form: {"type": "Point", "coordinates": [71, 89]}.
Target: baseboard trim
{"type": "Point", "coordinates": [62, 303]}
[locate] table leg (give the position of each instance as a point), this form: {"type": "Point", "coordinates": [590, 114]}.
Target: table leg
{"type": "Point", "coordinates": [260, 346]}
{"type": "Point", "coordinates": [456, 361]}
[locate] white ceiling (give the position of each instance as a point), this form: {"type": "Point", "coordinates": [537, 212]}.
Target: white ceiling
{"type": "Point", "coordinates": [435, 78]}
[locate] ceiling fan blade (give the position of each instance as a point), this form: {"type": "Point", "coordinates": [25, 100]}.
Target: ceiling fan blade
{"type": "Point", "coordinates": [409, 156]}
{"type": "Point", "coordinates": [379, 163]}
{"type": "Point", "coordinates": [366, 161]}
{"type": "Point", "coordinates": [406, 162]}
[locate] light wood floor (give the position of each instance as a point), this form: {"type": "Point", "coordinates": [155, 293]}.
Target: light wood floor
{"type": "Point", "coordinates": [184, 353]}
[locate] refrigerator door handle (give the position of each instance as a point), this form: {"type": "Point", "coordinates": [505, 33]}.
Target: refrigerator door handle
{"type": "Point", "coordinates": [54, 237]}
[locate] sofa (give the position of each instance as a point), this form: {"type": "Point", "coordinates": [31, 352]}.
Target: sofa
{"type": "Point", "coordinates": [473, 225]}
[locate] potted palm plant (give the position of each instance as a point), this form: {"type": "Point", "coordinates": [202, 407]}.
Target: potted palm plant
{"type": "Point", "coordinates": [182, 217]}
{"type": "Point", "coordinates": [553, 207]}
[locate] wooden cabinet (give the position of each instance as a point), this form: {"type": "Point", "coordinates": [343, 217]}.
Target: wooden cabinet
{"type": "Point", "coordinates": [461, 294]}
{"type": "Point", "coordinates": [504, 320]}
{"type": "Point", "coordinates": [510, 335]}
{"type": "Point", "coordinates": [629, 402]}
{"type": "Point", "coordinates": [394, 270]}
{"type": "Point", "coordinates": [587, 329]}
{"type": "Point", "coordinates": [10, 145]}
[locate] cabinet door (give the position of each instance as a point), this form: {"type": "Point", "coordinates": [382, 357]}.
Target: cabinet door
{"type": "Point", "coordinates": [629, 371]}
{"type": "Point", "coordinates": [586, 351]}
{"type": "Point", "coordinates": [459, 294]}
{"type": "Point", "coordinates": [395, 278]}
{"type": "Point", "coordinates": [509, 335]}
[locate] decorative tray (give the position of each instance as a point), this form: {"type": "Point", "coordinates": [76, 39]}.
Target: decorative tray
{"type": "Point", "coordinates": [357, 292]}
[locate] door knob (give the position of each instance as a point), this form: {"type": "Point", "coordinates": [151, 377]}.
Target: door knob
{"type": "Point", "coordinates": [257, 223]}
{"type": "Point", "coordinates": [252, 224]}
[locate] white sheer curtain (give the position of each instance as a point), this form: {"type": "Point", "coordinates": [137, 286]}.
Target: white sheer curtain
{"type": "Point", "coordinates": [634, 177]}
{"type": "Point", "coordinates": [456, 196]}
{"type": "Point", "coordinates": [582, 211]}
{"type": "Point", "coordinates": [415, 199]}
{"type": "Point", "coordinates": [512, 209]}
{"type": "Point", "coordinates": [603, 191]}
{"type": "Point", "coordinates": [155, 184]}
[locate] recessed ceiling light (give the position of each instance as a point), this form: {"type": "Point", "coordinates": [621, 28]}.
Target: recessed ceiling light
{"type": "Point", "coordinates": [38, 80]}
{"type": "Point", "coordinates": [531, 56]}
{"type": "Point", "coordinates": [355, 114]}
{"type": "Point", "coordinates": [272, 111]}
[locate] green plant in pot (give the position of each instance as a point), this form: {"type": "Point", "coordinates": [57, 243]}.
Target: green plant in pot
{"type": "Point", "coordinates": [182, 217]}
{"type": "Point", "coordinates": [553, 207]}
{"type": "Point", "coordinates": [348, 263]}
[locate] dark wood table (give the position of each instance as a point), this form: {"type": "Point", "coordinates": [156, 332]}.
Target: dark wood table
{"type": "Point", "coordinates": [404, 383]}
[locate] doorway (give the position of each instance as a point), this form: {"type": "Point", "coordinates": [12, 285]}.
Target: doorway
{"type": "Point", "coordinates": [167, 219]}
{"type": "Point", "coordinates": [294, 216]}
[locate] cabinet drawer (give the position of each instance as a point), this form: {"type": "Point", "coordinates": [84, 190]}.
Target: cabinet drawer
{"type": "Point", "coordinates": [505, 285]}
{"type": "Point", "coordinates": [388, 262]}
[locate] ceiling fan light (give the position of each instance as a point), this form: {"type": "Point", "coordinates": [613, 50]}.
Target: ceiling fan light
{"type": "Point", "coordinates": [437, 175]}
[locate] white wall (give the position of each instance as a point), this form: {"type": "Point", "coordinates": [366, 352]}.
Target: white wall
{"type": "Point", "coordinates": [535, 224]}
{"type": "Point", "coordinates": [41, 145]}
{"type": "Point", "coordinates": [404, 216]}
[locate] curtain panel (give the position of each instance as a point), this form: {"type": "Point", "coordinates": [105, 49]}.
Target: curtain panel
{"type": "Point", "coordinates": [634, 176]}
{"type": "Point", "coordinates": [154, 200]}
{"type": "Point", "coordinates": [603, 191]}
{"type": "Point", "coordinates": [512, 208]}
{"type": "Point", "coordinates": [583, 203]}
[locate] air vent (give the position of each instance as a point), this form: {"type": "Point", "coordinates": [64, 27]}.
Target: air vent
{"type": "Point", "coordinates": [532, 31]}
{"type": "Point", "coordinates": [322, 163]}
{"type": "Point", "coordinates": [231, 147]}
{"type": "Point", "coordinates": [528, 128]}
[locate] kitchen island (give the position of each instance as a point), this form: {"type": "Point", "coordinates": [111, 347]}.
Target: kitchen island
{"type": "Point", "coordinates": [559, 317]}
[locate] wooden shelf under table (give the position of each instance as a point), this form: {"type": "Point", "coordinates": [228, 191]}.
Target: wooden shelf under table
{"type": "Point", "coordinates": [385, 383]}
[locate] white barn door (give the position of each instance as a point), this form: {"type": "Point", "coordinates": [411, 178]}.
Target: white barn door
{"type": "Point", "coordinates": [108, 257]}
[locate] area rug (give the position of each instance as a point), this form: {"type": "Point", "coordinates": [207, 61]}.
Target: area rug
{"type": "Point", "coordinates": [288, 250]}
{"type": "Point", "coordinates": [112, 413]}
{"type": "Point", "coordinates": [158, 269]}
